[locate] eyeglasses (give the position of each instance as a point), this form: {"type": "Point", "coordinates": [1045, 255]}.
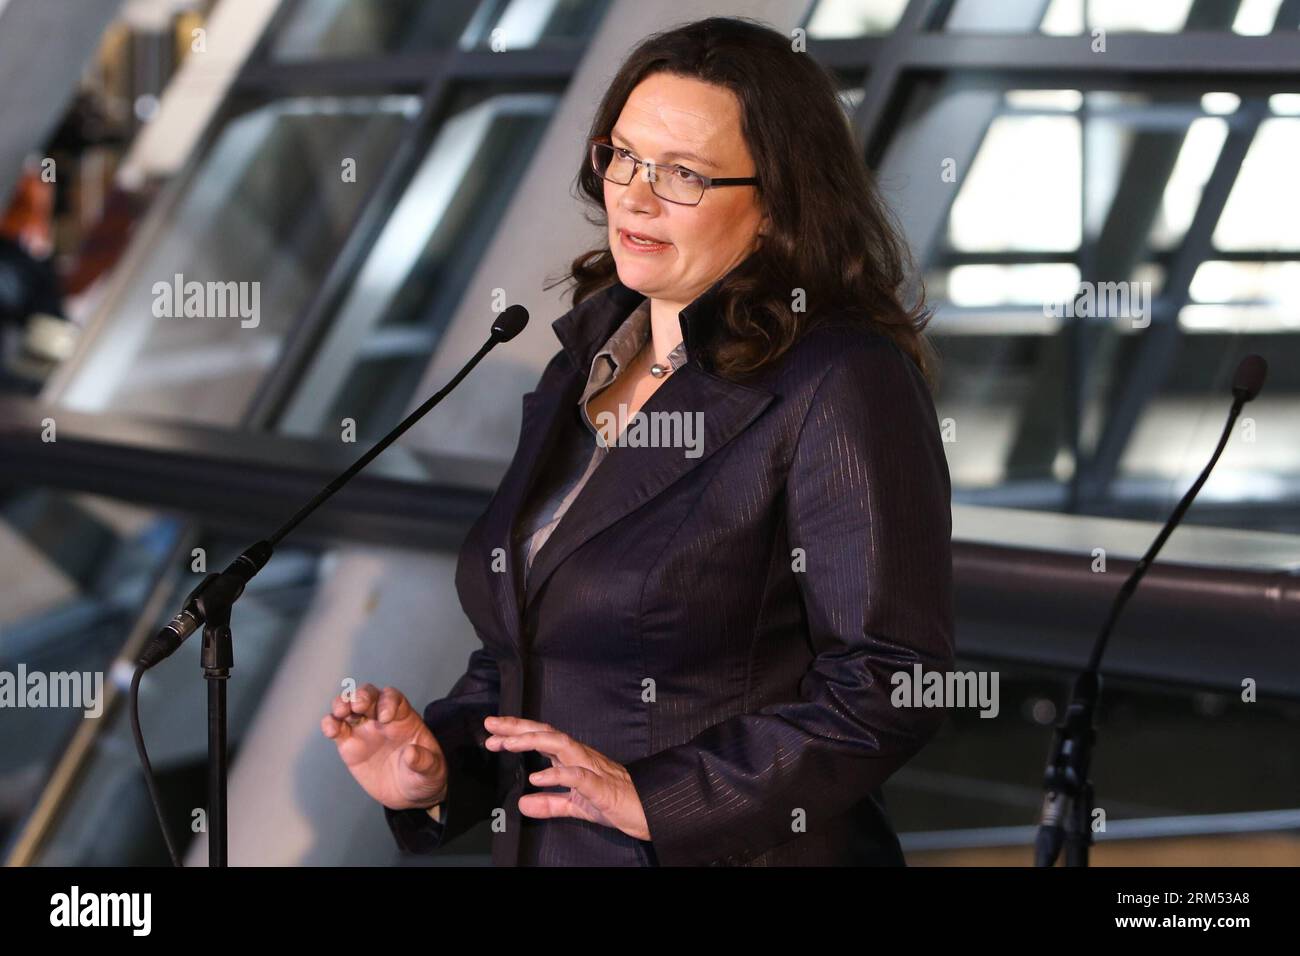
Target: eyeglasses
{"type": "Point", "coordinates": [678, 185]}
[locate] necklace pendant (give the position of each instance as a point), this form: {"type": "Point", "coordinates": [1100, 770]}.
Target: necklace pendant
{"type": "Point", "coordinates": [659, 371]}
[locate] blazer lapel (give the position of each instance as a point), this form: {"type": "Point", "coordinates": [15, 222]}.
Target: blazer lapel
{"type": "Point", "coordinates": [537, 432]}
{"type": "Point", "coordinates": [582, 330]}
{"type": "Point", "coordinates": [630, 476]}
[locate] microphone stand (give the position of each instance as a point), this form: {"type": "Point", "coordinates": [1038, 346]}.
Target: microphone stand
{"type": "Point", "coordinates": [210, 604]}
{"type": "Point", "coordinates": [1068, 791]}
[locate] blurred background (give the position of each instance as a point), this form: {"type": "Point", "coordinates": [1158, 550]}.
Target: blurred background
{"type": "Point", "coordinates": [381, 169]}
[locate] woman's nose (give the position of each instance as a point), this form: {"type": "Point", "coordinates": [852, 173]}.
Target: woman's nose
{"type": "Point", "coordinates": [637, 194]}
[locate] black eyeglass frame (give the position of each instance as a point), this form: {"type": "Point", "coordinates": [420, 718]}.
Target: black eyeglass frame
{"type": "Point", "coordinates": [707, 182]}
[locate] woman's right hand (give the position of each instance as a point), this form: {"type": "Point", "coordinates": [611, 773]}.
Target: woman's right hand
{"type": "Point", "coordinates": [388, 747]}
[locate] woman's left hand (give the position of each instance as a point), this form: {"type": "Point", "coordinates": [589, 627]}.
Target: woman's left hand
{"type": "Point", "coordinates": [600, 790]}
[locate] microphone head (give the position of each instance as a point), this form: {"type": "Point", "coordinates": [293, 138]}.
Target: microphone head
{"type": "Point", "coordinates": [1250, 376]}
{"type": "Point", "coordinates": [509, 323]}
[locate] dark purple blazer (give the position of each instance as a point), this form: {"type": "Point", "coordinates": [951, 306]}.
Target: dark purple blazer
{"type": "Point", "coordinates": [725, 626]}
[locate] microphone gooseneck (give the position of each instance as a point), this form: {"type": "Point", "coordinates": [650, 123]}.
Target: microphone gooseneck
{"type": "Point", "coordinates": [1067, 801]}
{"type": "Point", "coordinates": [209, 605]}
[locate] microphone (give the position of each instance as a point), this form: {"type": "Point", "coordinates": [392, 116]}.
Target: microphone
{"type": "Point", "coordinates": [225, 588]}
{"type": "Point", "coordinates": [1251, 372]}
{"type": "Point", "coordinates": [510, 323]}
{"type": "Point", "coordinates": [210, 605]}
{"type": "Point", "coordinates": [1067, 801]}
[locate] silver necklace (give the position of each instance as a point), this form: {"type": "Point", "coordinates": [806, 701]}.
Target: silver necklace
{"type": "Point", "coordinates": [658, 370]}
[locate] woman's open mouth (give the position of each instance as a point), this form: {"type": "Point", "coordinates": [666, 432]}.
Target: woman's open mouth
{"type": "Point", "coordinates": [630, 240]}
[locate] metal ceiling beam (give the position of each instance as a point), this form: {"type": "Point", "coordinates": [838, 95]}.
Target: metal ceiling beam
{"type": "Point", "coordinates": [245, 480]}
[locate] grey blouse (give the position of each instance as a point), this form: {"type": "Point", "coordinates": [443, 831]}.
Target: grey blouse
{"type": "Point", "coordinates": [577, 452]}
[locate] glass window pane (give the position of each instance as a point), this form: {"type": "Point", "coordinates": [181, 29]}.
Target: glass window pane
{"type": "Point", "coordinates": [1022, 191]}
{"type": "Point", "coordinates": [1260, 215]}
{"type": "Point", "coordinates": [514, 24]}
{"type": "Point", "coordinates": [340, 28]}
{"type": "Point", "coordinates": [206, 303]}
{"type": "Point", "coordinates": [1075, 17]}
{"type": "Point", "coordinates": [353, 28]}
{"type": "Point", "coordinates": [1178, 428]}
{"type": "Point", "coordinates": [1034, 208]}
{"type": "Point", "coordinates": [837, 19]}
{"type": "Point", "coordinates": [412, 278]}
{"type": "Point", "coordinates": [1182, 193]}
{"type": "Point", "coordinates": [78, 568]}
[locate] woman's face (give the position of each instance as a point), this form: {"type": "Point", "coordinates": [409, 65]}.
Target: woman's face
{"type": "Point", "coordinates": [675, 120]}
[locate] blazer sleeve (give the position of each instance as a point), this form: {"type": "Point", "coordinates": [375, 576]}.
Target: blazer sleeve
{"type": "Point", "coordinates": [868, 499]}
{"type": "Point", "coordinates": [457, 723]}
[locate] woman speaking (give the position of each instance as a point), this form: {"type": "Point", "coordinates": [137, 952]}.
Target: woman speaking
{"type": "Point", "coordinates": [727, 524]}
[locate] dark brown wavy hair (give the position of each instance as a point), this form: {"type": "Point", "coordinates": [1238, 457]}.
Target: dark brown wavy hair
{"type": "Point", "coordinates": [830, 233]}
